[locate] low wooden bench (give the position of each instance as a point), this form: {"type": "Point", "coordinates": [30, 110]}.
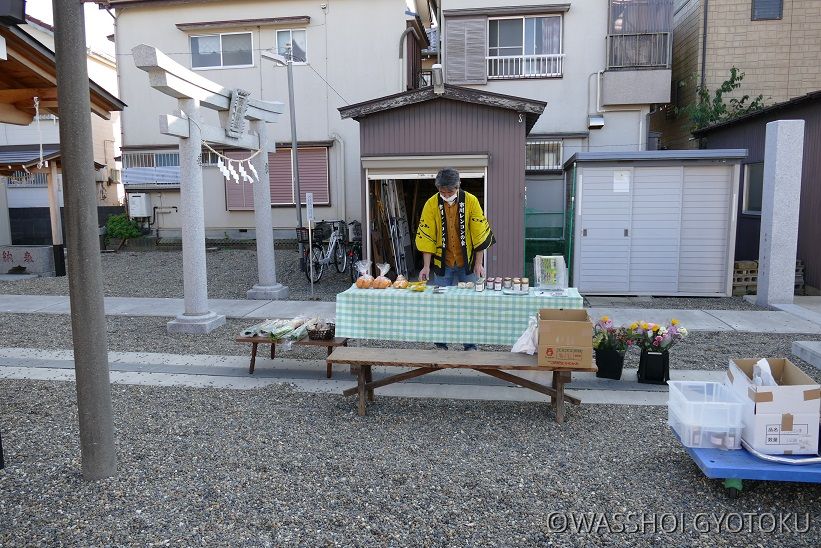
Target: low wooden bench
{"type": "Point", "coordinates": [256, 341]}
{"type": "Point", "coordinates": [494, 364]}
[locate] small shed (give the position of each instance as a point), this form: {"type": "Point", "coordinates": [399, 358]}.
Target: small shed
{"type": "Point", "coordinates": [406, 138]}
{"type": "Point", "coordinates": [749, 131]}
{"type": "Point", "coordinates": [653, 222]}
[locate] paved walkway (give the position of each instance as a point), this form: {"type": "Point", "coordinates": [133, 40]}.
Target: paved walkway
{"type": "Point", "coordinates": [783, 321]}
{"type": "Point", "coordinates": [208, 371]}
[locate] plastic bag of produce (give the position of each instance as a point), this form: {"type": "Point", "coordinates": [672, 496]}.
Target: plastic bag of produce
{"type": "Point", "coordinates": [365, 280]}
{"type": "Point", "coordinates": [382, 281]}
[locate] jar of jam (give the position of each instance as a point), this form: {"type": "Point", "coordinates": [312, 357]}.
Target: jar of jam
{"type": "Point", "coordinates": [507, 283]}
{"type": "Point", "coordinates": [525, 284]}
{"type": "Point", "coordinates": [497, 284]}
{"type": "Point", "coordinates": [517, 284]}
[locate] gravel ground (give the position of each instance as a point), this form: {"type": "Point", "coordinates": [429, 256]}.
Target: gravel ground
{"type": "Point", "coordinates": [231, 272]}
{"type": "Point", "coordinates": [701, 350]}
{"type": "Point", "coordinates": [273, 467]}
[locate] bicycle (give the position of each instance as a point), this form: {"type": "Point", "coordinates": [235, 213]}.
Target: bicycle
{"type": "Point", "coordinates": [355, 248]}
{"type": "Point", "coordinates": [319, 255]}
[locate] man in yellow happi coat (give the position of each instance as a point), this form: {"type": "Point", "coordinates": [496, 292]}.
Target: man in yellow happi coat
{"type": "Point", "coordinates": [453, 235]}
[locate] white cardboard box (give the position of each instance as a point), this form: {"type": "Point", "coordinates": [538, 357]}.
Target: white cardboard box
{"type": "Point", "coordinates": [780, 420]}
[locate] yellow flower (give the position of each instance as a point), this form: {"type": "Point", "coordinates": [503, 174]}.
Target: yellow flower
{"type": "Point", "coordinates": [605, 318]}
{"type": "Point", "coordinates": [644, 325]}
{"type": "Point", "coordinates": [634, 325]}
{"type": "Point", "coordinates": [674, 321]}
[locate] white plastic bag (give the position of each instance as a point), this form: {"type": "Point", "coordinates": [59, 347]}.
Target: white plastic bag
{"type": "Point", "coordinates": [529, 340]}
{"type": "Point", "coordinates": [762, 374]}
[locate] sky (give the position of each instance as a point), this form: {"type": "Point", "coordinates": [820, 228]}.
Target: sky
{"type": "Point", "coordinates": [99, 23]}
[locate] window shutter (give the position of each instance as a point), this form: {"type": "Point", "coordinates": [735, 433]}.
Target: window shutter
{"type": "Point", "coordinates": [238, 196]}
{"type": "Point", "coordinates": [279, 173]}
{"type": "Point", "coordinates": [313, 175]}
{"type": "Point", "coordinates": [466, 50]}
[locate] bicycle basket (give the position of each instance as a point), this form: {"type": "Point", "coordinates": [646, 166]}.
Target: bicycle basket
{"type": "Point", "coordinates": [355, 231]}
{"type": "Point", "coordinates": [322, 231]}
{"type": "Point", "coordinates": [302, 235]}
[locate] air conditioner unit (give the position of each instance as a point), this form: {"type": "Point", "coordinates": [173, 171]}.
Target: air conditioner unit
{"type": "Point", "coordinates": [139, 205]}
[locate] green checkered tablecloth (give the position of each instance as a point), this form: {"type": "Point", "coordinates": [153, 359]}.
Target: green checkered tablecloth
{"type": "Point", "coordinates": [456, 316]}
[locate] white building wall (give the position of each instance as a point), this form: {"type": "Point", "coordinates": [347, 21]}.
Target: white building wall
{"type": "Point", "coordinates": [353, 45]}
{"type": "Point", "coordinates": [571, 98]}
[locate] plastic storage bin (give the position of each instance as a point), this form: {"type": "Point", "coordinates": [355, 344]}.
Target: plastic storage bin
{"type": "Point", "coordinates": [705, 414]}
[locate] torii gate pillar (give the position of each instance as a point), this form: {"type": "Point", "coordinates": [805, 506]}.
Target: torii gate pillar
{"type": "Point", "coordinates": [196, 318]}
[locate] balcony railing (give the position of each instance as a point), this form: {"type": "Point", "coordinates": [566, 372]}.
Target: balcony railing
{"type": "Point", "coordinates": [525, 66]}
{"type": "Point", "coordinates": [639, 50]}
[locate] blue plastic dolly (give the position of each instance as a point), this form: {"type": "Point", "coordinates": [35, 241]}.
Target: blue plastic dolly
{"type": "Point", "coordinates": [735, 466]}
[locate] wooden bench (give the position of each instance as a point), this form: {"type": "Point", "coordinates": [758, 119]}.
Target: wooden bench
{"type": "Point", "coordinates": [494, 364]}
{"type": "Point", "coordinates": [256, 341]}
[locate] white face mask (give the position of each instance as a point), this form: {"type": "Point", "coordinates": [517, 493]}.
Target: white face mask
{"type": "Point", "coordinates": [452, 198]}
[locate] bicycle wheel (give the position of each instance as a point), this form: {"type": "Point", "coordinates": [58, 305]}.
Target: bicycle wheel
{"type": "Point", "coordinates": [340, 257]}
{"type": "Point", "coordinates": [354, 257]}
{"type": "Point", "coordinates": [316, 258]}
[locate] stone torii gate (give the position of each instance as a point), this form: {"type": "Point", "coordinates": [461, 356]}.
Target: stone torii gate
{"type": "Point", "coordinates": [235, 107]}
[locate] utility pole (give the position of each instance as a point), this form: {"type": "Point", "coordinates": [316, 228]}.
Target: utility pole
{"type": "Point", "coordinates": [88, 325]}
{"type": "Point", "coordinates": [294, 147]}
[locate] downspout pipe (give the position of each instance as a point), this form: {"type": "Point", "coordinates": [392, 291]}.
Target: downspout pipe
{"type": "Point", "coordinates": [704, 45]}
{"type": "Point", "coordinates": [404, 34]}
{"type": "Point", "coordinates": [341, 184]}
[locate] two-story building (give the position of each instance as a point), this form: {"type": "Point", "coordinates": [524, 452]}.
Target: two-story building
{"type": "Point", "coordinates": [774, 42]}
{"type": "Point", "coordinates": [344, 51]}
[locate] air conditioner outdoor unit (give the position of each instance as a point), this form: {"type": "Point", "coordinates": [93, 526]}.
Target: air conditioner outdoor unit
{"type": "Point", "coordinates": [139, 205]}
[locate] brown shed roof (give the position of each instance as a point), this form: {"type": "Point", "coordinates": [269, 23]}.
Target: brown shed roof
{"type": "Point", "coordinates": [530, 108]}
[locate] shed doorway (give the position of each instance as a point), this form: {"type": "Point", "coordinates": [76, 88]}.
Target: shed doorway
{"type": "Point", "coordinates": [394, 207]}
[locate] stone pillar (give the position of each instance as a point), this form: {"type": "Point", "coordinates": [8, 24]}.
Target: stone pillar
{"type": "Point", "coordinates": [197, 318]}
{"type": "Point", "coordinates": [54, 205]}
{"type": "Point", "coordinates": [783, 154]}
{"type": "Point", "coordinates": [5, 224]}
{"type": "Point", "coordinates": [267, 288]}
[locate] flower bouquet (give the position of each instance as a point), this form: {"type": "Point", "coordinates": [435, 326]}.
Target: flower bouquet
{"type": "Point", "coordinates": [610, 343]}
{"type": "Point", "coordinates": [655, 341]}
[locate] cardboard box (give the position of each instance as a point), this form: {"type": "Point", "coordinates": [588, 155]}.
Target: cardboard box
{"type": "Point", "coordinates": [565, 339]}
{"type": "Point", "coordinates": [780, 420]}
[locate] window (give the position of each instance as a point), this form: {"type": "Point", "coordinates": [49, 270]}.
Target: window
{"type": "Point", "coordinates": [298, 40]}
{"type": "Point", "coordinates": [753, 188]}
{"type": "Point", "coordinates": [544, 207]}
{"type": "Point", "coordinates": [525, 47]}
{"type": "Point", "coordinates": [233, 49]}
{"type": "Point", "coordinates": [209, 159]}
{"type": "Point", "coordinates": [25, 179]}
{"type": "Point", "coordinates": [313, 177]}
{"type": "Point", "coordinates": [151, 169]}
{"type": "Point", "coordinates": [543, 155]}
{"type": "Point", "coordinates": [425, 78]}
{"type": "Point", "coordinates": [639, 34]}
{"type": "Point", "coordinates": [767, 9]}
